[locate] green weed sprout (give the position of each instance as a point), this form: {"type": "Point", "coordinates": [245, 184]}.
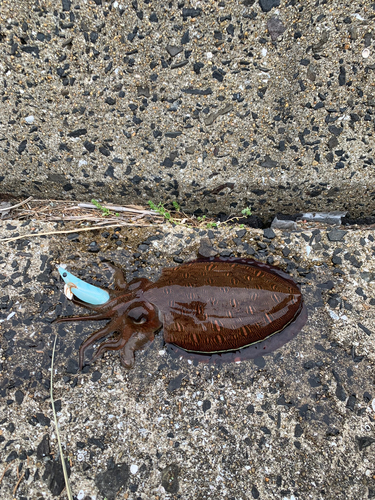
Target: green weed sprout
{"type": "Point", "coordinates": [160, 210]}
{"type": "Point", "coordinates": [200, 219]}
{"type": "Point", "coordinates": [176, 206]}
{"type": "Point", "coordinates": [246, 211]}
{"type": "Point", "coordinates": [104, 210]}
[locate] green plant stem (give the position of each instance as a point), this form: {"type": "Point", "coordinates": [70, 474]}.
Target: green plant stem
{"type": "Point", "coordinates": [104, 210]}
{"type": "Point", "coordinates": [161, 211]}
{"type": "Point", "coordinates": [67, 484]}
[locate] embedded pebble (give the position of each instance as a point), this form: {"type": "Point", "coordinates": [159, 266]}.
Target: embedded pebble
{"type": "Point", "coordinates": [365, 53]}
{"type": "Point", "coordinates": [134, 469]}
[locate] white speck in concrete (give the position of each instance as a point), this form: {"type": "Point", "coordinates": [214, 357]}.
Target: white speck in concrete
{"type": "Point", "coordinates": [365, 53]}
{"type": "Point", "coordinates": [134, 469]}
{"type": "Point", "coordinates": [29, 119]}
{"type": "Point", "coordinates": [334, 315]}
{"type": "Point", "coordinates": [81, 455]}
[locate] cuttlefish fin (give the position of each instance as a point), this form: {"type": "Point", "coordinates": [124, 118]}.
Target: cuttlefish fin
{"type": "Point", "coordinates": [84, 291]}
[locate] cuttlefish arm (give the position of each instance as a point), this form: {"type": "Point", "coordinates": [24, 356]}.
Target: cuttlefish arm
{"type": "Point", "coordinates": [84, 291]}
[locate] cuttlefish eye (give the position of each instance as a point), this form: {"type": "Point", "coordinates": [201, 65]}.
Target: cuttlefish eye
{"type": "Point", "coordinates": [138, 315]}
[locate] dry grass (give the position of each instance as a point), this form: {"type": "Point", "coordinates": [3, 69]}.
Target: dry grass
{"type": "Point", "coordinates": [85, 214]}
{"type": "Point", "coordinates": [66, 479]}
{"type": "Point", "coordinates": [62, 210]}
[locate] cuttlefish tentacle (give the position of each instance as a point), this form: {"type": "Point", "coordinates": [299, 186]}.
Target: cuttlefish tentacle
{"type": "Point", "coordinates": [136, 342]}
{"type": "Point", "coordinates": [97, 335]}
{"type": "Point", "coordinates": [91, 307]}
{"type": "Point", "coordinates": [118, 277]}
{"type": "Point", "coordinates": [95, 317]}
{"type": "Point", "coordinates": [111, 344]}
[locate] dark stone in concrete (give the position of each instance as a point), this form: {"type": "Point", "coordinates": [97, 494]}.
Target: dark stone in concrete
{"type": "Point", "coordinates": [54, 476]}
{"type": "Point", "coordinates": [112, 480]}
{"type": "Point", "coordinates": [169, 478]}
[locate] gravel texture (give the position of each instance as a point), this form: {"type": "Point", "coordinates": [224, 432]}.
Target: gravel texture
{"type": "Point", "coordinates": [219, 105]}
{"type": "Point", "coordinates": [298, 423]}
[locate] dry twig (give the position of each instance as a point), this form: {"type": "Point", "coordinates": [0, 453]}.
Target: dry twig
{"type": "Point", "coordinates": [118, 209]}
{"type": "Point", "coordinates": [15, 206]}
{"type": "Point", "coordinates": [18, 483]}
{"type": "Point", "coordinates": [6, 468]}
{"type": "Point", "coordinates": [79, 230]}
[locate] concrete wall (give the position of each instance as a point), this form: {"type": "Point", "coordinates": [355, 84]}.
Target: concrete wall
{"type": "Point", "coordinates": [219, 105]}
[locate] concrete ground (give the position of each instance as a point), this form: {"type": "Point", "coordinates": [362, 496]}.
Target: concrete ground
{"type": "Point", "coordinates": [297, 423]}
{"type": "Point", "coordinates": [220, 106]}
